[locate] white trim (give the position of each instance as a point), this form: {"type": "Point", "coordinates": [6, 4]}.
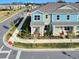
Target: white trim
{"type": "Point", "coordinates": [37, 11]}
{"type": "Point", "coordinates": [68, 7]}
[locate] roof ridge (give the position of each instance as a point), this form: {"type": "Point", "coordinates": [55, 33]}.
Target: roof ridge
{"type": "Point", "coordinates": [52, 7]}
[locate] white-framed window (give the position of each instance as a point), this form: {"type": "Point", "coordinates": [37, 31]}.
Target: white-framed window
{"type": "Point", "coordinates": [58, 17]}
{"type": "Point", "coordinates": [68, 28]}
{"type": "Point", "coordinates": [68, 17]}
{"type": "Point", "coordinates": [37, 17]}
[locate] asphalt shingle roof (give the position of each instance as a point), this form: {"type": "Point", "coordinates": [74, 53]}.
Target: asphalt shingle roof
{"type": "Point", "coordinates": [53, 8]}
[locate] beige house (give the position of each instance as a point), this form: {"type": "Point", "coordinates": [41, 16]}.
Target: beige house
{"type": "Point", "coordinates": [8, 6]}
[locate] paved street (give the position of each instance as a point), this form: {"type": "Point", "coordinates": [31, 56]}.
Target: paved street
{"type": "Point", "coordinates": [7, 53]}
{"type": "Point", "coordinates": [49, 55]}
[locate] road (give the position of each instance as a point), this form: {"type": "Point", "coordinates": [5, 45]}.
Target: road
{"type": "Point", "coordinates": [8, 53]}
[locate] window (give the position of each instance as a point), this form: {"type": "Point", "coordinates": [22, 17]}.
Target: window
{"type": "Point", "coordinates": [37, 17]}
{"type": "Point", "coordinates": [69, 28]}
{"type": "Point", "coordinates": [46, 16]}
{"type": "Point", "coordinates": [77, 27]}
{"type": "Point", "coordinates": [68, 17]}
{"type": "Point", "coordinates": [58, 17]}
{"type": "Point", "coordinates": [46, 27]}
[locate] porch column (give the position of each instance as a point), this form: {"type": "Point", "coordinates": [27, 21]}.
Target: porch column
{"type": "Point", "coordinates": [32, 30]}
{"type": "Point", "coordinates": [42, 34]}
{"type": "Point", "coordinates": [42, 31]}
{"type": "Point", "coordinates": [53, 29]}
{"type": "Point", "coordinates": [74, 30]}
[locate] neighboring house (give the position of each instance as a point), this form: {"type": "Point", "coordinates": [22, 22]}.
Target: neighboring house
{"type": "Point", "coordinates": [57, 17]}
{"type": "Point", "coordinates": [11, 6]}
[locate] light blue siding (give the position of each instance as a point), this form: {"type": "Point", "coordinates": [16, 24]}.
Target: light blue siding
{"type": "Point", "coordinates": [63, 17]}
{"type": "Point", "coordinates": [37, 13]}
{"type": "Point", "coordinates": [73, 18]}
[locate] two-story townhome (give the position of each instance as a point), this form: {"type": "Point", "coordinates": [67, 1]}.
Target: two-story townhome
{"type": "Point", "coordinates": [57, 17]}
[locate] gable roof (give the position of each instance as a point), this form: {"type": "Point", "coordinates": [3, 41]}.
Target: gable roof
{"type": "Point", "coordinates": [54, 8]}
{"type": "Point", "coordinates": [68, 7]}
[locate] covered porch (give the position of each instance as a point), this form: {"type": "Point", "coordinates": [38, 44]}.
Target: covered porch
{"type": "Point", "coordinates": [37, 28]}
{"type": "Point", "coordinates": [66, 27]}
{"type": "Point", "coordinates": [57, 30]}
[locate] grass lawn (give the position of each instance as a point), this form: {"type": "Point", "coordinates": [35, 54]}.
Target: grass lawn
{"type": "Point", "coordinates": [10, 32]}
{"type": "Point", "coordinates": [45, 45]}
{"type": "Point", "coordinates": [14, 26]}
{"type": "Point", "coordinates": [7, 13]}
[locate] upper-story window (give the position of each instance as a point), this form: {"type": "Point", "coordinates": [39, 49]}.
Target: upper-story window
{"type": "Point", "coordinates": [37, 17]}
{"type": "Point", "coordinates": [46, 16]}
{"type": "Point", "coordinates": [68, 17]}
{"type": "Point", "coordinates": [58, 17]}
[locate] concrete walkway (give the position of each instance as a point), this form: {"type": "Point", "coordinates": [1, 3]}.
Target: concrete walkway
{"type": "Point", "coordinates": [47, 40]}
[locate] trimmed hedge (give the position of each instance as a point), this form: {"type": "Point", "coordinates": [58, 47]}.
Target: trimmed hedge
{"type": "Point", "coordinates": [46, 45]}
